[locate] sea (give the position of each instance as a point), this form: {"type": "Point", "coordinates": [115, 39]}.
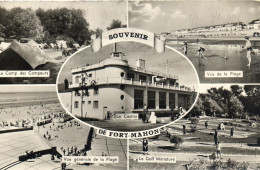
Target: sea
{"type": "Point", "coordinates": [22, 98]}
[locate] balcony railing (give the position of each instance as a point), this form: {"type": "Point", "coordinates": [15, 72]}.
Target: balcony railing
{"type": "Point", "coordinates": [119, 80]}
{"type": "Point", "coordinates": [149, 71]}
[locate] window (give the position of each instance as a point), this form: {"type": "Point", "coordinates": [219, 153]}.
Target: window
{"type": "Point", "coordinates": [142, 78]}
{"type": "Point", "coordinates": [122, 86]}
{"type": "Point", "coordinates": [122, 97]}
{"type": "Point", "coordinates": [89, 102]}
{"type": "Point", "coordinates": [116, 54]}
{"type": "Point", "coordinates": [83, 102]}
{"type": "Point", "coordinates": [172, 100]}
{"type": "Point", "coordinates": [76, 80]}
{"type": "Point", "coordinates": [122, 74]}
{"type": "Point", "coordinates": [76, 104]}
{"type": "Point", "coordinates": [138, 99]}
{"type": "Point", "coordinates": [90, 75]}
{"type": "Point", "coordinates": [77, 92]}
{"type": "Point", "coordinates": [95, 90]}
{"type": "Point", "coordinates": [95, 105]}
{"type": "Point", "coordinates": [131, 76]}
{"type": "Point", "coordinates": [172, 82]}
{"type": "Point", "coordinates": [162, 100]}
{"type": "Point", "coordinates": [151, 99]}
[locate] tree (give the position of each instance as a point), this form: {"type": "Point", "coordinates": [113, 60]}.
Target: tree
{"type": "Point", "coordinates": [236, 106]}
{"type": "Point", "coordinates": [198, 107]}
{"type": "Point", "coordinates": [66, 23]}
{"type": "Point", "coordinates": [116, 24]}
{"type": "Point", "coordinates": [98, 32]}
{"type": "Point", "coordinates": [236, 90]}
{"type": "Point", "coordinates": [3, 17]}
{"type": "Point", "coordinates": [252, 90]}
{"type": "Point", "coordinates": [23, 23]}
{"type": "Point", "coordinates": [211, 105]}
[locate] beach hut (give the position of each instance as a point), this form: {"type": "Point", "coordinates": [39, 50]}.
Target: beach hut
{"type": "Point", "coordinates": [22, 56]}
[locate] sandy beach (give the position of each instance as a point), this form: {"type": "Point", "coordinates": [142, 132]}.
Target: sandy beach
{"type": "Point", "coordinates": [27, 108]}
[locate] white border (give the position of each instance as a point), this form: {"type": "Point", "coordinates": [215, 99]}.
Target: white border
{"type": "Point", "coordinates": [129, 132]}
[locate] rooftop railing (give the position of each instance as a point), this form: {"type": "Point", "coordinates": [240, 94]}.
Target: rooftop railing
{"type": "Point", "coordinates": [132, 68]}
{"type": "Point", "coordinates": [118, 80]}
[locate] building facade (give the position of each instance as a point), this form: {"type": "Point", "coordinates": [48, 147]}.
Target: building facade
{"type": "Point", "coordinates": [113, 86]}
{"type": "Point", "coordinates": [216, 30]}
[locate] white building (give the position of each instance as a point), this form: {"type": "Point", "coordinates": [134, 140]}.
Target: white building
{"type": "Point", "coordinates": [113, 86]}
{"type": "Point", "coordinates": [255, 25]}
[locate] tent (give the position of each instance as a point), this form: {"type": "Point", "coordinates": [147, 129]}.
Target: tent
{"type": "Point", "coordinates": [76, 45]}
{"type": "Point", "coordinates": [22, 56]}
{"type": "Point", "coordinates": [62, 43]}
{"type": "Point", "coordinates": [4, 45]}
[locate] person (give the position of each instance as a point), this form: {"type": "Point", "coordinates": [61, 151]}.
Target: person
{"type": "Point", "coordinates": [185, 48]}
{"type": "Point", "coordinates": [232, 132]}
{"type": "Point", "coordinates": [184, 129]}
{"type": "Point", "coordinates": [216, 137]}
{"type": "Point", "coordinates": [219, 149]}
{"type": "Point", "coordinates": [206, 124]}
{"type": "Point", "coordinates": [249, 49]}
{"type": "Point", "coordinates": [201, 51]}
{"type": "Point", "coordinates": [145, 145]}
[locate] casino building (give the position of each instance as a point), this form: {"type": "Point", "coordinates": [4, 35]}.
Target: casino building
{"type": "Point", "coordinates": [113, 86]}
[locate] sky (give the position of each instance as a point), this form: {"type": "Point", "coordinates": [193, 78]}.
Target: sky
{"type": "Point", "coordinates": [27, 88]}
{"type": "Point", "coordinates": [168, 16]}
{"type": "Point", "coordinates": [97, 14]}
{"type": "Point", "coordinates": [177, 64]}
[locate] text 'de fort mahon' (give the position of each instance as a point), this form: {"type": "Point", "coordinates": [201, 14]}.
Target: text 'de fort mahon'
{"type": "Point", "coordinates": [124, 135]}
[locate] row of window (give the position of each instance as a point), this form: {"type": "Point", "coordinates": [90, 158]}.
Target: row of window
{"type": "Point", "coordinates": [139, 99]}
{"type": "Point", "coordinates": [78, 79]}
{"type": "Point", "coordinates": [95, 104]}
{"type": "Point", "coordinates": [95, 91]}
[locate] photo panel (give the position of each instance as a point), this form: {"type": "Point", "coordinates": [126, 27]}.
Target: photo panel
{"type": "Point", "coordinates": [128, 86]}
{"type": "Point", "coordinates": [36, 132]}
{"type": "Point", "coordinates": [220, 38]}
{"type": "Point", "coordinates": [221, 131]}
{"type": "Point", "coordinates": [37, 37]}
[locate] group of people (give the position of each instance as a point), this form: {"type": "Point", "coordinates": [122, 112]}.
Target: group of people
{"type": "Point", "coordinates": [73, 151]}
{"type": "Point", "coordinates": [216, 139]}
{"type": "Point", "coordinates": [201, 50]}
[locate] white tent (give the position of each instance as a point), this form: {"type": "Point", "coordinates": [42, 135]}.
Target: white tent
{"type": "Point", "coordinates": [62, 43]}
{"type": "Point", "coordinates": [4, 46]}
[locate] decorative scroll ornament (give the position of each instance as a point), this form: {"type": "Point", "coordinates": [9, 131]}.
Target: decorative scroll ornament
{"type": "Point", "coordinates": [128, 34]}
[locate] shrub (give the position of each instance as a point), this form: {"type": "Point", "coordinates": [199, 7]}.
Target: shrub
{"type": "Point", "coordinates": [231, 164]}
{"type": "Point", "coordinates": [194, 120]}
{"type": "Point", "coordinates": [177, 140]}
{"type": "Point", "coordinates": [243, 166]}
{"type": "Point", "coordinates": [217, 165]}
{"type": "Point", "coordinates": [193, 129]}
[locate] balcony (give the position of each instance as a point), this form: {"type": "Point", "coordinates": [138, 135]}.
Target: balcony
{"type": "Point", "coordinates": [119, 80]}
{"type": "Point", "coordinates": [149, 71]}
